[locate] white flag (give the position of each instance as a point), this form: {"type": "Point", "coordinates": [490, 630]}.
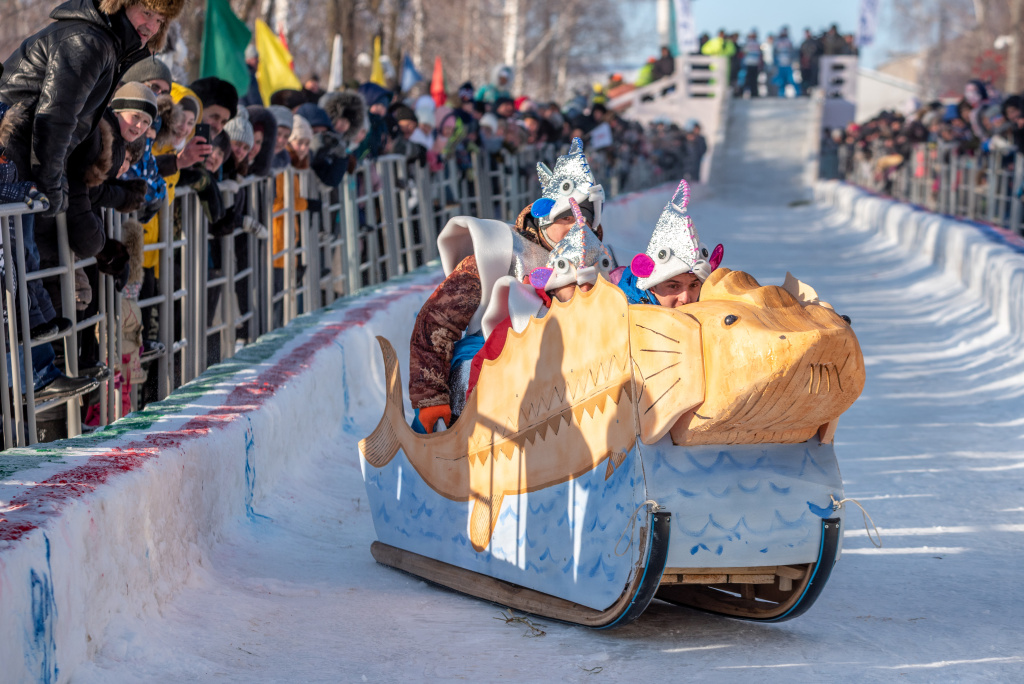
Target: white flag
{"type": "Point", "coordinates": [334, 82]}
{"type": "Point", "coordinates": [686, 29]}
{"type": "Point", "coordinates": [867, 23]}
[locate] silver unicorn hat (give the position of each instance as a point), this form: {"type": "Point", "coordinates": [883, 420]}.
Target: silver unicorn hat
{"type": "Point", "coordinates": [674, 247]}
{"type": "Point", "coordinates": [577, 258]}
{"type": "Point", "coordinates": [571, 177]}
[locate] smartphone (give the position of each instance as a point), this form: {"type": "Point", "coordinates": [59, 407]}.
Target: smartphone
{"type": "Point", "coordinates": [203, 131]}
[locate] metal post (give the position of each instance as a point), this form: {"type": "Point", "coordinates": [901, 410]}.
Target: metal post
{"type": "Point", "coordinates": [26, 338]}
{"type": "Point", "coordinates": [67, 297]}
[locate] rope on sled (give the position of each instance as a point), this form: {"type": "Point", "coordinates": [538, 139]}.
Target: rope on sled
{"type": "Point", "coordinates": [836, 505]}
{"type": "Point", "coordinates": [631, 525]}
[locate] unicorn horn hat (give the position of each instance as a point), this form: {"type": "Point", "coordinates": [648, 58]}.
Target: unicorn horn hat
{"type": "Point", "coordinates": [578, 258]}
{"type": "Point", "coordinates": [571, 178]}
{"type": "Point", "coordinates": [675, 247]}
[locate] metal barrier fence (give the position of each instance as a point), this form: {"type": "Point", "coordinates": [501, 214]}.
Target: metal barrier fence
{"type": "Point", "coordinates": [985, 188]}
{"type": "Point", "coordinates": [216, 293]}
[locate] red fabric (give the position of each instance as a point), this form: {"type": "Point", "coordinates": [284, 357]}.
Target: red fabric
{"type": "Point", "coordinates": [437, 84]}
{"type": "Point", "coordinates": [491, 350]}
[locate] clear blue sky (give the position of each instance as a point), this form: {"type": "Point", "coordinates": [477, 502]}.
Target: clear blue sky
{"type": "Point", "coordinates": [743, 15]}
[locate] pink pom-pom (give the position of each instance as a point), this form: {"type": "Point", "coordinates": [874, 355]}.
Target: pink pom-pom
{"type": "Point", "coordinates": [642, 266]}
{"type": "Point", "coordinates": [716, 257]}
{"type": "Point", "coordinates": [539, 277]}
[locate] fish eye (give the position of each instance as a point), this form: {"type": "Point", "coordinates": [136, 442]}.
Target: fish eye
{"type": "Point", "coordinates": [567, 187]}
{"type": "Point", "coordinates": [663, 255]}
{"type": "Point", "coordinates": [846, 318]}
{"type": "Point", "coordinates": [704, 252]}
{"type": "Point", "coordinates": [605, 262]}
{"type": "Point", "coordinates": [730, 319]}
{"type": "Point", "coordinates": [561, 265]}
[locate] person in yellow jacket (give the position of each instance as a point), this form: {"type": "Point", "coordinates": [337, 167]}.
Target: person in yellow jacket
{"type": "Point", "coordinates": [297, 146]}
{"type": "Point", "coordinates": [720, 46]}
{"type": "Point", "coordinates": [175, 148]}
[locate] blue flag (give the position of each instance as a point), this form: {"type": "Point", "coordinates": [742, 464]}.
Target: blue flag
{"type": "Point", "coordinates": [410, 76]}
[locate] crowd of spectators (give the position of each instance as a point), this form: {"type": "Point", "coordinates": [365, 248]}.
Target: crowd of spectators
{"type": "Point", "coordinates": [91, 119]}
{"type": "Point", "coordinates": [778, 58]}
{"type": "Point", "coordinates": [982, 123]}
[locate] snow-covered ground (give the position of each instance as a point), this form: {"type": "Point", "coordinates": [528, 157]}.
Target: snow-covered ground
{"type": "Point", "coordinates": [934, 449]}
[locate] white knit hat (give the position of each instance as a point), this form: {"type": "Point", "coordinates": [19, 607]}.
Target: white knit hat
{"type": "Point", "coordinates": [301, 130]}
{"type": "Point", "coordinates": [282, 114]}
{"type": "Point", "coordinates": [239, 129]}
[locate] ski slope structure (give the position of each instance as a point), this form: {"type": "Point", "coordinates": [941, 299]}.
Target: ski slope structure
{"type": "Point", "coordinates": [223, 535]}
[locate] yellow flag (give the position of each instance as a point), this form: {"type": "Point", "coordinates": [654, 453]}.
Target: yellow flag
{"type": "Point", "coordinates": [274, 71]}
{"type": "Point", "coordinates": [377, 70]}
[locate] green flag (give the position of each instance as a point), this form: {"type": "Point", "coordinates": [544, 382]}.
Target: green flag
{"type": "Point", "coordinates": [225, 38]}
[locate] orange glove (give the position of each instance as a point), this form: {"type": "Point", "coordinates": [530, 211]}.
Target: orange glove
{"type": "Point", "coordinates": [428, 416]}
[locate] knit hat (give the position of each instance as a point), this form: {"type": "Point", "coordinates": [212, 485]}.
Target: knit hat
{"type": "Point", "coordinates": [135, 97]}
{"type": "Point", "coordinates": [239, 129]}
{"type": "Point", "coordinates": [301, 130]}
{"type": "Point", "coordinates": [214, 92]}
{"type": "Point", "coordinates": [314, 115]}
{"type": "Point", "coordinates": [425, 110]}
{"type": "Point", "coordinates": [148, 69]}
{"type": "Point", "coordinates": [283, 115]}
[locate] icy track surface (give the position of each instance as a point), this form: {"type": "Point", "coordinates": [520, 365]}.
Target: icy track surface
{"type": "Point", "coordinates": [933, 449]}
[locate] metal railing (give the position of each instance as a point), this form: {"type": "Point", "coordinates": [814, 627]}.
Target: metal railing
{"type": "Point", "coordinates": [215, 293]}
{"type": "Point", "coordinates": [983, 187]}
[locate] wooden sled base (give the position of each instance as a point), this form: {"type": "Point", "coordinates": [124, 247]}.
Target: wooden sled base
{"type": "Point", "coordinates": [775, 595]}
{"type": "Point", "coordinates": [628, 607]}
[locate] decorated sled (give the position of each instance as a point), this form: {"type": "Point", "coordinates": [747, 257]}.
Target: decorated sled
{"type": "Point", "coordinates": [615, 453]}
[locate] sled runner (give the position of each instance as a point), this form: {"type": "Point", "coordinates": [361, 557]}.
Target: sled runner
{"type": "Point", "coordinates": [615, 453]}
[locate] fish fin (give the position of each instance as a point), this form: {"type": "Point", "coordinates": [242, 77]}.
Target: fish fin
{"type": "Point", "coordinates": [483, 519]}
{"type": "Point", "coordinates": [615, 459]}
{"type": "Point", "coordinates": [383, 443]}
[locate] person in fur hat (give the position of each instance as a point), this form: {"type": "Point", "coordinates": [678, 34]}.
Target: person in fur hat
{"type": "Point", "coordinates": [264, 132]}
{"type": "Point", "coordinates": [347, 111]}
{"type": "Point", "coordinates": [65, 75]}
{"type": "Point", "coordinates": [220, 102]}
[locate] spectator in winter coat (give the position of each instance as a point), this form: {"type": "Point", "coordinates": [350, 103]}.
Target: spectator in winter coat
{"type": "Point", "coordinates": [264, 127]}
{"type": "Point", "coordinates": [66, 74]}
{"type": "Point", "coordinates": [284, 118]}
{"type": "Point", "coordinates": [665, 65]}
{"type": "Point", "coordinates": [499, 86]}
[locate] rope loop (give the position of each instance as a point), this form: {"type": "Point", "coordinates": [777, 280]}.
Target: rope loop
{"type": "Point", "coordinates": [836, 505]}
{"type": "Point", "coordinates": [631, 525]}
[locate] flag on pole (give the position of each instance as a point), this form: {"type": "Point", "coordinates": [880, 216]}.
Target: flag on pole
{"type": "Point", "coordinates": [867, 22]}
{"type": "Point", "coordinates": [410, 76]}
{"type": "Point", "coordinates": [274, 72]}
{"type": "Point", "coordinates": [225, 38]}
{"type": "Point", "coordinates": [437, 84]}
{"type": "Point", "coordinates": [335, 80]}
{"type": "Point", "coordinates": [377, 69]}
{"type": "Point", "coordinates": [684, 29]}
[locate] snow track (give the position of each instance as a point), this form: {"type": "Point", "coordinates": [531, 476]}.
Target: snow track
{"type": "Point", "coordinates": [182, 569]}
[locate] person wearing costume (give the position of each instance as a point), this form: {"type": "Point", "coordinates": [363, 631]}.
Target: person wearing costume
{"type": "Point", "coordinates": [475, 253]}
{"type": "Point", "coordinates": [573, 264]}
{"type": "Point", "coordinates": [676, 263]}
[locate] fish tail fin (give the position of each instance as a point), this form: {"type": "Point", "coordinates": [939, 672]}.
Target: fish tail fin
{"type": "Point", "coordinates": [383, 443]}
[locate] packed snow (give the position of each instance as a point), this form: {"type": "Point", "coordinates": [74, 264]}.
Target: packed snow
{"type": "Point", "coordinates": [933, 450]}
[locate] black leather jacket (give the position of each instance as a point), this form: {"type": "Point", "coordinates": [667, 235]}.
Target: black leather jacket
{"type": "Point", "coordinates": [65, 74]}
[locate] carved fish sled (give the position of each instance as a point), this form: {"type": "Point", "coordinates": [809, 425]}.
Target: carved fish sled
{"type": "Point", "coordinates": [615, 452]}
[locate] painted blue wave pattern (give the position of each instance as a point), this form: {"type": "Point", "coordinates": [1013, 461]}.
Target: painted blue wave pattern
{"type": "Point", "coordinates": [558, 540]}
{"type": "Point", "coordinates": [744, 505]}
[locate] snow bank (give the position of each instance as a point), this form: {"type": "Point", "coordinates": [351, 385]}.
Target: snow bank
{"type": "Point", "coordinates": [118, 521]}
{"type": "Point", "coordinates": [987, 261]}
